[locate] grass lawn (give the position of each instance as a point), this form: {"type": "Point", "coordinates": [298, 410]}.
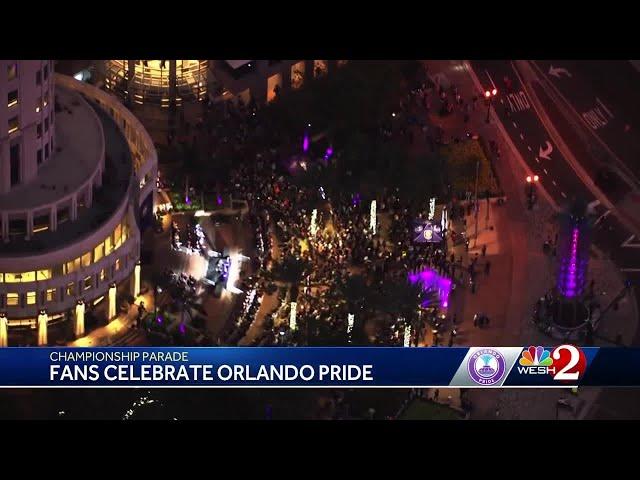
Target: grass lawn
{"type": "Point", "coordinates": [425, 410]}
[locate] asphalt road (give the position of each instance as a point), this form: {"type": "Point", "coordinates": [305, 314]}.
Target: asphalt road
{"type": "Point", "coordinates": [560, 181]}
{"type": "Point", "coordinates": [604, 95]}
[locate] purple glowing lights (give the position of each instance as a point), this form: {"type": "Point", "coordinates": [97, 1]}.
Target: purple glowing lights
{"type": "Point", "coordinates": [219, 200]}
{"type": "Point", "coordinates": [569, 278]}
{"type": "Point", "coordinates": [305, 143]}
{"type": "Point", "coordinates": [431, 281]}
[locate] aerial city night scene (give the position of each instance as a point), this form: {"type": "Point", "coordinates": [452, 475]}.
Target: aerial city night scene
{"type": "Point", "coordinates": [275, 224]}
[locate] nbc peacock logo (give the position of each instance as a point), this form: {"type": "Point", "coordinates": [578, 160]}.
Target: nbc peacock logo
{"type": "Point", "coordinates": [536, 361]}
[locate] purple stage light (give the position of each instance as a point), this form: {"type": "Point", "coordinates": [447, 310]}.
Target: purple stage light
{"type": "Point", "coordinates": [305, 143]}
{"type": "Point", "coordinates": [432, 281]}
{"type": "Point", "coordinates": [159, 318]}
{"type": "Point", "coordinates": [182, 329]}
{"type": "Point", "coordinates": [187, 200]}
{"type": "Point", "coordinates": [219, 200]}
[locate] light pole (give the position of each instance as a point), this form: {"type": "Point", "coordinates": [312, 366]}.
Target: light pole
{"type": "Point", "coordinates": [531, 181]}
{"type": "Point", "coordinates": [489, 94]}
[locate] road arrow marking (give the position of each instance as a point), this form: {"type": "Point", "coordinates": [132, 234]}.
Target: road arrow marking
{"type": "Point", "coordinates": [556, 72]}
{"type": "Point", "coordinates": [628, 243]}
{"type": "Point", "coordinates": [546, 152]}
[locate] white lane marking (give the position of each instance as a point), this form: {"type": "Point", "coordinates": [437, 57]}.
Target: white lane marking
{"type": "Point", "coordinates": [557, 72]}
{"type": "Point", "coordinates": [554, 183]}
{"type": "Point", "coordinates": [528, 148]}
{"type": "Point", "coordinates": [563, 194]}
{"type": "Point", "coordinates": [518, 102]}
{"type": "Point", "coordinates": [521, 137]}
{"type": "Point", "coordinates": [602, 217]}
{"type": "Point", "coordinates": [515, 124]}
{"type": "Point", "coordinates": [594, 204]}
{"type": "Point", "coordinates": [630, 269]}
{"type": "Point", "coordinates": [599, 102]}
{"type": "Point", "coordinates": [628, 243]}
{"type": "Point", "coordinates": [537, 160]}
{"type": "Point", "coordinates": [545, 171]}
{"type": "Point", "coordinates": [490, 79]}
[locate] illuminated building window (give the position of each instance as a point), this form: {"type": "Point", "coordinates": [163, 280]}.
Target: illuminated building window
{"type": "Point", "coordinates": [86, 259]}
{"type": "Point", "coordinates": [38, 104]}
{"type": "Point", "coordinates": [12, 98]}
{"type": "Point", "coordinates": [43, 274]}
{"type": "Point", "coordinates": [71, 266]}
{"type": "Point", "coordinates": [103, 274]}
{"type": "Point", "coordinates": [71, 289]}
{"type": "Point", "coordinates": [320, 68]}
{"type": "Point", "coordinates": [117, 264]}
{"type": "Point", "coordinates": [98, 252]}
{"type": "Point", "coordinates": [31, 298]}
{"type": "Point", "coordinates": [13, 299]}
{"type": "Point", "coordinates": [50, 295]}
{"type": "Point", "coordinates": [1, 277]}
{"type": "Point", "coordinates": [108, 246]}
{"type": "Point", "coordinates": [20, 277]}
{"type": "Point", "coordinates": [45, 102]}
{"type": "Point", "coordinates": [117, 236]}
{"type": "Point", "coordinates": [12, 71]}
{"type": "Point", "coordinates": [87, 283]}
{"type": "Point", "coordinates": [14, 125]}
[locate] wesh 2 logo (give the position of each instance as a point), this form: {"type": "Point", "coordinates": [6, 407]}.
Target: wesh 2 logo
{"type": "Point", "coordinates": [563, 363]}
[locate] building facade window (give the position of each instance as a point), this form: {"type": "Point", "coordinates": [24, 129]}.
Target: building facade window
{"type": "Point", "coordinates": [31, 298]}
{"type": "Point", "coordinates": [87, 283]}
{"type": "Point", "coordinates": [12, 71]}
{"type": "Point", "coordinates": [46, 151]}
{"type": "Point", "coordinates": [46, 124]}
{"type": "Point", "coordinates": [14, 124]}
{"type": "Point", "coordinates": [50, 295]}
{"type": "Point", "coordinates": [39, 130]}
{"type": "Point", "coordinates": [46, 72]}
{"type": "Point", "coordinates": [14, 163]}
{"type": "Point", "coordinates": [71, 289]}
{"type": "Point", "coordinates": [39, 77]}
{"type": "Point", "coordinates": [13, 299]}
{"type": "Point", "coordinates": [39, 156]}
{"type": "Point", "coordinates": [12, 98]}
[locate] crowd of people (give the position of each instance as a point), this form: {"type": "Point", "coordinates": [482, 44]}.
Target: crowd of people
{"type": "Point", "coordinates": [330, 238]}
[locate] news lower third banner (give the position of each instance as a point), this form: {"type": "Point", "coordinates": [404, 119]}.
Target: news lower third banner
{"type": "Point", "coordinates": [347, 367]}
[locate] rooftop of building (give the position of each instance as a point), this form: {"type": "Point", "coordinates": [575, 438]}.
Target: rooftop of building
{"type": "Point", "coordinates": [78, 150]}
{"type": "Point", "coordinates": [106, 199]}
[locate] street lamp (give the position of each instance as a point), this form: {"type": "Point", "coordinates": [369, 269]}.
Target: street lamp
{"type": "Point", "coordinates": [532, 180]}
{"type": "Point", "coordinates": [489, 94]}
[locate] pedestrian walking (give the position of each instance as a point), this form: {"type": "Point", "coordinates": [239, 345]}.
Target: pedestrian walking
{"type": "Point", "coordinates": [484, 250]}
{"type": "Point", "coordinates": [487, 268]}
